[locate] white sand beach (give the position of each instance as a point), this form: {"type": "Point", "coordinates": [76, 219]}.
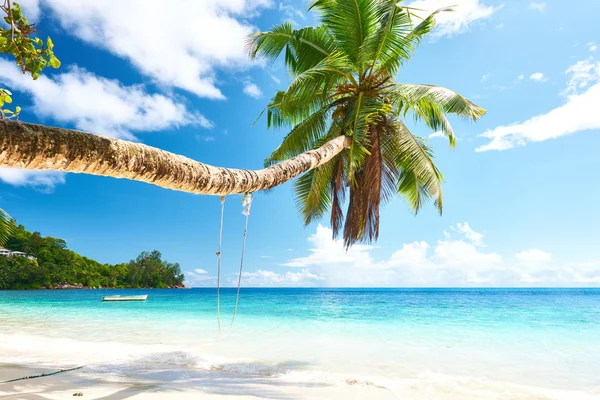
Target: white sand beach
{"type": "Point", "coordinates": [163, 385]}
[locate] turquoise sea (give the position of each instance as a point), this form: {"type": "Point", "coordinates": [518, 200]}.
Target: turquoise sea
{"type": "Point", "coordinates": [441, 343]}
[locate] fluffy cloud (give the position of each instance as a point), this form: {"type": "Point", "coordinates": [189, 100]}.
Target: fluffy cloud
{"type": "Point", "coordinates": [534, 256]}
{"type": "Point", "coordinates": [541, 6]}
{"type": "Point", "coordinates": [475, 237]}
{"type": "Point", "coordinates": [97, 104]}
{"type": "Point", "coordinates": [582, 74]}
{"type": "Point", "coordinates": [199, 277]}
{"type": "Point", "coordinates": [326, 251]}
{"type": "Point", "coordinates": [592, 46]}
{"type": "Point", "coordinates": [577, 114]}
{"type": "Point", "coordinates": [436, 134]}
{"type": "Point", "coordinates": [252, 90]}
{"type": "Point", "coordinates": [291, 13]}
{"type": "Point", "coordinates": [456, 21]}
{"type": "Point", "coordinates": [538, 77]}
{"type": "Point", "coordinates": [177, 43]}
{"type": "Point", "coordinates": [451, 261]}
{"type": "Point", "coordinates": [40, 180]}
{"type": "Point", "coordinates": [262, 278]}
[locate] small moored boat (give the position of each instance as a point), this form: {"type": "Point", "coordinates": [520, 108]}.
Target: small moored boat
{"type": "Point", "coordinates": [142, 297]}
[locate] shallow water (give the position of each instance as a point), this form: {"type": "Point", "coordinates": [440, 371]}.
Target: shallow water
{"type": "Point", "coordinates": [481, 343]}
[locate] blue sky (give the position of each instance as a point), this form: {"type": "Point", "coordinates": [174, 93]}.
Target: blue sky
{"type": "Point", "coordinates": [521, 187]}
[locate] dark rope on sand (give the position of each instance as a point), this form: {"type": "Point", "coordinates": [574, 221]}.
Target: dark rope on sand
{"type": "Point", "coordinates": [42, 375]}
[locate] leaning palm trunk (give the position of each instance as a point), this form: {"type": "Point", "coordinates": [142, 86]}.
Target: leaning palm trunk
{"type": "Point", "coordinates": [39, 147]}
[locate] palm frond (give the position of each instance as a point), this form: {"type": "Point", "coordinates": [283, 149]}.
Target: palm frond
{"type": "Point", "coordinates": [390, 44]}
{"type": "Point", "coordinates": [420, 179]}
{"type": "Point", "coordinates": [7, 227]}
{"type": "Point", "coordinates": [269, 45]}
{"type": "Point", "coordinates": [433, 115]}
{"type": "Point", "coordinates": [349, 22]}
{"type": "Point", "coordinates": [449, 101]}
{"type": "Point", "coordinates": [338, 193]}
{"type": "Point", "coordinates": [354, 225]}
{"type": "Point", "coordinates": [313, 192]}
{"type": "Point", "coordinates": [301, 138]}
{"type": "Point", "coordinates": [371, 189]}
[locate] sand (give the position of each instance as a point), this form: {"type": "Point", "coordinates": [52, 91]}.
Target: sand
{"type": "Point", "coordinates": [160, 386]}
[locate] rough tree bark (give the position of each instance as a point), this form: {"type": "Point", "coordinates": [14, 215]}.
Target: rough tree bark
{"type": "Point", "coordinates": [39, 147]}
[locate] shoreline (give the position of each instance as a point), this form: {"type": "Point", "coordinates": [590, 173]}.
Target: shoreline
{"type": "Point", "coordinates": [77, 287]}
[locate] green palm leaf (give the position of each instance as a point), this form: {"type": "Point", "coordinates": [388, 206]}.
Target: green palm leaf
{"type": "Point", "coordinates": [301, 138]}
{"type": "Point", "coordinates": [420, 179]}
{"type": "Point", "coordinates": [450, 102]}
{"type": "Point", "coordinates": [7, 227]}
{"type": "Point", "coordinates": [313, 192]}
{"type": "Point", "coordinates": [350, 22]}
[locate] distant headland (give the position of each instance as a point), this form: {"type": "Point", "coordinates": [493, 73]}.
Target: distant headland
{"type": "Point", "coordinates": [31, 261]}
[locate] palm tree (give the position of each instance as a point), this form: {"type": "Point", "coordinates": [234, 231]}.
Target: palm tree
{"type": "Point", "coordinates": [345, 112]}
{"type": "Point", "coordinates": [343, 76]}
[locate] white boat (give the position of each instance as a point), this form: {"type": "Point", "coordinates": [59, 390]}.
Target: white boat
{"type": "Point", "coordinates": [142, 297]}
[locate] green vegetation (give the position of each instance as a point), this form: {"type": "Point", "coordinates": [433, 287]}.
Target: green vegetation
{"type": "Point", "coordinates": [56, 266]}
{"type": "Point", "coordinates": [345, 82]}
{"type": "Point", "coordinates": [32, 56]}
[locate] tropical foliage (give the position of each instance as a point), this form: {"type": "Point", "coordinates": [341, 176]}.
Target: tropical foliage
{"type": "Point", "coordinates": [32, 56]}
{"type": "Point", "coordinates": [56, 265]}
{"type": "Point", "coordinates": [344, 82]}
{"type": "Point", "coordinates": [31, 53]}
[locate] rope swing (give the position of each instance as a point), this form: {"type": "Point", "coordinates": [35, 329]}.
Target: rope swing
{"type": "Point", "coordinates": [247, 203]}
{"type": "Point", "coordinates": [219, 266]}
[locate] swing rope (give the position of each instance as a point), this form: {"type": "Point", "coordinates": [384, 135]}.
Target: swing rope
{"type": "Point", "coordinates": [247, 202]}
{"type": "Point", "coordinates": [219, 266]}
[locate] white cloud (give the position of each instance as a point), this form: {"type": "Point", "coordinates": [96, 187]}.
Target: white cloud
{"type": "Point", "coordinates": [520, 78]}
{"type": "Point", "coordinates": [538, 77]}
{"type": "Point", "coordinates": [592, 46]}
{"type": "Point", "coordinates": [275, 79]}
{"type": "Point", "coordinates": [486, 77]}
{"type": "Point", "coordinates": [475, 237]}
{"type": "Point", "coordinates": [31, 9]}
{"type": "Point", "coordinates": [205, 139]}
{"type": "Point", "coordinates": [450, 262]}
{"type": "Point", "coordinates": [456, 21]}
{"type": "Point", "coordinates": [538, 6]}
{"type": "Point", "coordinates": [262, 278]}
{"type": "Point", "coordinates": [583, 73]}
{"type": "Point", "coordinates": [534, 256]}
{"type": "Point", "coordinates": [199, 277]}
{"type": "Point", "coordinates": [579, 113]}
{"type": "Point", "coordinates": [179, 43]}
{"type": "Point", "coordinates": [252, 90]}
{"type": "Point", "coordinates": [325, 251]}
{"type": "Point", "coordinates": [97, 104]}
{"type": "Point", "coordinates": [40, 180]}
{"type": "Point", "coordinates": [291, 12]}
{"type": "Point", "coordinates": [436, 134]}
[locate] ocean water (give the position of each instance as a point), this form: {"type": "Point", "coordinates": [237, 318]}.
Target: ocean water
{"type": "Point", "coordinates": [414, 343]}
